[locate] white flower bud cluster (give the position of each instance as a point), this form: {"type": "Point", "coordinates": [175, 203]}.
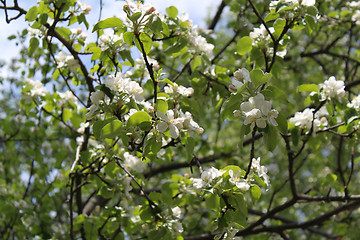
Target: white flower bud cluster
{"type": "Point", "coordinates": [66, 60]}
{"type": "Point", "coordinates": [176, 124]}
{"type": "Point", "coordinates": [257, 111]}
{"type": "Point", "coordinates": [78, 33]}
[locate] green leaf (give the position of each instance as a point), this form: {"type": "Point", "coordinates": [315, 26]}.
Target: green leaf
{"type": "Point", "coordinates": [112, 129]}
{"type": "Point", "coordinates": [66, 114]}
{"type": "Point", "coordinates": [138, 117]}
{"type": "Point", "coordinates": [312, 10]}
{"type": "Point", "coordinates": [270, 137]}
{"type": "Point", "coordinates": [282, 123]}
{"type": "Point", "coordinates": [172, 12]}
{"type": "Point", "coordinates": [255, 192]}
{"type": "Point", "coordinates": [308, 88]}
{"type": "Point", "coordinates": [279, 25]}
{"type": "Point", "coordinates": [108, 23]}
{"type": "Point", "coordinates": [155, 24]}
{"type": "Point", "coordinates": [212, 202]}
{"type": "Point", "coordinates": [135, 16]}
{"type": "Point", "coordinates": [271, 17]}
{"type": "Point", "coordinates": [31, 15]}
{"type": "Point", "coordinates": [189, 145]}
{"type": "Point", "coordinates": [244, 45]}
{"type": "Point", "coordinates": [128, 37]}
{"type": "Point", "coordinates": [34, 44]}
{"type": "Point", "coordinates": [146, 41]}
{"type": "Point", "coordinates": [310, 23]}
{"type": "Point", "coordinates": [162, 106]}
{"type": "Point", "coordinates": [195, 63]}
{"type": "Point", "coordinates": [258, 77]}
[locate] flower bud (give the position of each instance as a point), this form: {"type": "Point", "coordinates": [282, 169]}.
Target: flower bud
{"type": "Point", "coordinates": [126, 9]}
{"type": "Point", "coordinates": [151, 10]}
{"type": "Point", "coordinates": [87, 10]}
{"type": "Point", "coordinates": [238, 75]}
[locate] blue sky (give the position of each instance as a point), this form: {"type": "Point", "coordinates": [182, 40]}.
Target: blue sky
{"type": "Point", "coordinates": [197, 13]}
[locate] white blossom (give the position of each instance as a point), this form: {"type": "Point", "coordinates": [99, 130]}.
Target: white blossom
{"type": "Point", "coordinates": [190, 124]}
{"type": "Point", "coordinates": [257, 111]}
{"type": "Point", "coordinates": [82, 127]}
{"type": "Point", "coordinates": [332, 88]}
{"type": "Point", "coordinates": [65, 97]}
{"type": "Point", "coordinates": [238, 181]}
{"type": "Point", "coordinates": [134, 163]}
{"type": "Point", "coordinates": [261, 171]}
{"type": "Point", "coordinates": [241, 77]}
{"type": "Point", "coordinates": [210, 174]}
{"type": "Point", "coordinates": [305, 119]}
{"type": "Point", "coordinates": [176, 89]}
{"type": "Point", "coordinates": [355, 103]}
{"type": "Point", "coordinates": [109, 39]}
{"type": "Point", "coordinates": [96, 99]}
{"type": "Point", "coordinates": [37, 89]}
{"type": "Point", "coordinates": [201, 46]}
{"type": "Point", "coordinates": [169, 121]}
{"type": "Point", "coordinates": [119, 84]}
{"type": "Point", "coordinates": [66, 60]}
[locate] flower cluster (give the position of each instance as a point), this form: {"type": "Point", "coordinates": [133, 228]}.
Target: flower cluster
{"type": "Point", "coordinates": [260, 36]}
{"type": "Point", "coordinates": [259, 170]}
{"type": "Point", "coordinates": [77, 33]}
{"type": "Point", "coordinates": [332, 89]}
{"type": "Point", "coordinates": [174, 89]}
{"type": "Point", "coordinates": [207, 177]}
{"type": "Point", "coordinates": [257, 111]}
{"type": "Point", "coordinates": [199, 43]}
{"type": "Point", "coordinates": [134, 163]}
{"type": "Point", "coordinates": [66, 97]}
{"type": "Point", "coordinates": [66, 60]}
{"type": "Point", "coordinates": [96, 99]}
{"type": "Point", "coordinates": [131, 8]}
{"type": "Point", "coordinates": [355, 103]}
{"type": "Point", "coordinates": [35, 88]}
{"type": "Point", "coordinates": [238, 180]}
{"type": "Point", "coordinates": [176, 124]}
{"type": "Point", "coordinates": [307, 119]}
{"type": "Point", "coordinates": [119, 84]}
{"type": "Point", "coordinates": [111, 40]}
{"type": "Point", "coordinates": [83, 8]}
{"type": "Point", "coordinates": [273, 4]}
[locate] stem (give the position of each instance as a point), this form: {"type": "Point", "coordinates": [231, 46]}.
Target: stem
{"type": "Point", "coordinates": [252, 152]}
{"type": "Point", "coordinates": [148, 66]}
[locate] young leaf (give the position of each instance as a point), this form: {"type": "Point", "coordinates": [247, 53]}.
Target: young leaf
{"type": "Point", "coordinates": [108, 23]}
{"type": "Point", "coordinates": [172, 12]}
{"type": "Point", "coordinates": [244, 45]}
